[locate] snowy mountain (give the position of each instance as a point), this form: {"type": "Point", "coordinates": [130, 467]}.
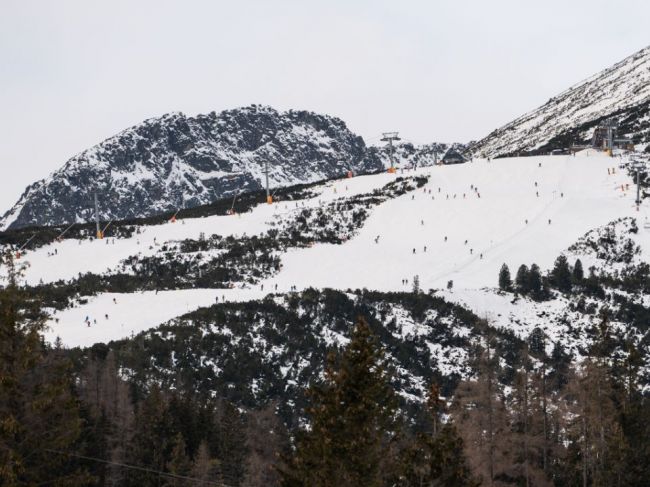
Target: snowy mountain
{"type": "Point", "coordinates": [176, 161]}
{"type": "Point", "coordinates": [621, 92]}
{"type": "Point", "coordinates": [260, 295]}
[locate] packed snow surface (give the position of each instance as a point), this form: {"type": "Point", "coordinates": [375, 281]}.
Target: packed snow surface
{"type": "Point", "coordinates": [471, 218]}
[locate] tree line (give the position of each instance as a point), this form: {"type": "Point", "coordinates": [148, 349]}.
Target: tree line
{"type": "Point", "coordinates": [547, 420]}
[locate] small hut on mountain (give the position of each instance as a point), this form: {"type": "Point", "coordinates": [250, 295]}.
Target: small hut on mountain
{"type": "Point", "coordinates": [453, 157]}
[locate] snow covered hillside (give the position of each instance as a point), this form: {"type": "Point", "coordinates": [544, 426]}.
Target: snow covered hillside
{"type": "Point", "coordinates": [621, 92]}
{"type": "Point", "coordinates": [461, 225]}
{"type": "Point", "coordinates": [176, 161]}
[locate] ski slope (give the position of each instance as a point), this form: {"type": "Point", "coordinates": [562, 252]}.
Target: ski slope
{"type": "Point", "coordinates": [75, 257]}
{"type": "Point", "coordinates": [576, 193]}
{"type": "Point", "coordinates": [493, 225]}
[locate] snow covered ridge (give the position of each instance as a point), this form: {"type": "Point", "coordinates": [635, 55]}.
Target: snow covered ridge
{"type": "Point", "coordinates": [621, 91]}
{"type": "Point", "coordinates": [176, 161]}
{"type": "Point", "coordinates": [274, 347]}
{"type": "Point", "coordinates": [611, 244]}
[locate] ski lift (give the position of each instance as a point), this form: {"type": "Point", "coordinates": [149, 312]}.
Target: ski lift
{"type": "Point", "coordinates": [231, 211]}
{"type": "Point", "coordinates": [58, 239]}
{"type": "Point", "coordinates": [20, 250]}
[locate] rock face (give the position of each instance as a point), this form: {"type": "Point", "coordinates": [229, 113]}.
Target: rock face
{"type": "Point", "coordinates": [621, 92]}
{"type": "Point", "coordinates": [176, 161]}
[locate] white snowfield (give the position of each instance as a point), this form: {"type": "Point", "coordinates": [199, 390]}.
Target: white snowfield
{"type": "Point", "coordinates": [514, 211]}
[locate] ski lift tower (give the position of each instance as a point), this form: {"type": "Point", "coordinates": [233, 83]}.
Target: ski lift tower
{"type": "Point", "coordinates": [390, 137]}
{"type": "Point", "coordinates": [269, 198]}
{"type": "Point", "coordinates": [603, 137]}
{"type": "Point", "coordinates": [99, 233]}
{"type": "Point", "coordinates": [639, 165]}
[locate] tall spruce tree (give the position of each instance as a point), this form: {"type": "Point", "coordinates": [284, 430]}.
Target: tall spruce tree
{"type": "Point", "coordinates": [39, 415]}
{"type": "Point", "coordinates": [522, 280]}
{"type": "Point", "coordinates": [152, 439]}
{"type": "Point", "coordinates": [578, 272]}
{"type": "Point", "coordinates": [535, 285]}
{"type": "Point", "coordinates": [561, 274]}
{"type": "Point", "coordinates": [505, 280]}
{"type": "Point", "coordinates": [232, 449]}
{"type": "Point", "coordinates": [352, 418]}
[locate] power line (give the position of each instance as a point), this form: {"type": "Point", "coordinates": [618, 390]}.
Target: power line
{"type": "Point", "coordinates": [141, 469]}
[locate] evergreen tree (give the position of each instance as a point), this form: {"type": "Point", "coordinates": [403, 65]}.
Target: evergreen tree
{"type": "Point", "coordinates": [561, 274]}
{"type": "Point", "coordinates": [416, 284]}
{"type": "Point", "coordinates": [505, 281]}
{"type": "Point", "coordinates": [535, 286]}
{"type": "Point", "coordinates": [578, 272]}
{"type": "Point", "coordinates": [39, 415]}
{"type": "Point", "coordinates": [352, 419]}
{"type": "Point", "coordinates": [152, 439]}
{"type": "Point", "coordinates": [232, 450]}
{"type": "Point", "coordinates": [522, 279]}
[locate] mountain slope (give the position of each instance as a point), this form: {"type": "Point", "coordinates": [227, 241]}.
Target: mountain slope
{"type": "Point", "coordinates": [492, 205]}
{"type": "Point", "coordinates": [621, 91]}
{"type": "Point", "coordinates": [177, 161]}
{"type": "Point", "coordinates": [254, 299]}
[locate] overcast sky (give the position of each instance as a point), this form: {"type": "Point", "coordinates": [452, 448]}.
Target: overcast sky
{"type": "Point", "coordinates": [75, 72]}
